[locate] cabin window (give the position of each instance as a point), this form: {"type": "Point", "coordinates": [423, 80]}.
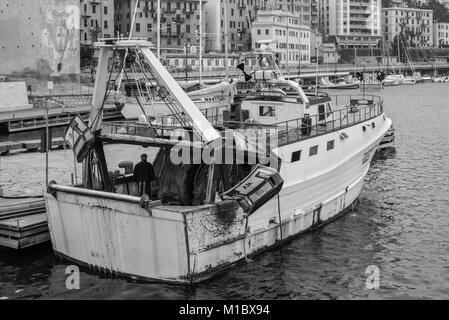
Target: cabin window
{"type": "Point", "coordinates": [330, 145]}
{"type": "Point", "coordinates": [266, 111]}
{"type": "Point", "coordinates": [321, 112]}
{"type": "Point", "coordinates": [313, 151]}
{"type": "Point", "coordinates": [329, 109]}
{"type": "Point", "coordinates": [296, 156]}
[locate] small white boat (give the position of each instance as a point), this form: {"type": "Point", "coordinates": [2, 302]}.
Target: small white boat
{"type": "Point", "coordinates": [393, 80]}
{"type": "Point", "coordinates": [338, 84]}
{"type": "Point", "coordinates": [426, 79]}
{"type": "Point", "coordinates": [440, 79]}
{"type": "Point", "coordinates": [408, 81]}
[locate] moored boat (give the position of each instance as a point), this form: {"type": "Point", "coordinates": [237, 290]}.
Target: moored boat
{"type": "Point", "coordinates": [337, 84]}
{"type": "Point", "coordinates": [206, 215]}
{"type": "Point", "coordinates": [408, 81]}
{"type": "Point", "coordinates": [393, 80]}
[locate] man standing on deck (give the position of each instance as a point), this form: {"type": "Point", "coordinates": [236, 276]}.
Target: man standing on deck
{"type": "Point", "coordinates": [143, 175]}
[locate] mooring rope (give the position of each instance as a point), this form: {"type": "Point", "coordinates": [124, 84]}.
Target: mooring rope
{"type": "Point", "coordinates": [280, 219]}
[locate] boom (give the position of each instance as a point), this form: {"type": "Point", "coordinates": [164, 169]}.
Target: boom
{"type": "Point", "coordinates": [200, 124]}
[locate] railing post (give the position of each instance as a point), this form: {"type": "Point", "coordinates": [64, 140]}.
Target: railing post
{"type": "Point", "coordinates": [340, 119]}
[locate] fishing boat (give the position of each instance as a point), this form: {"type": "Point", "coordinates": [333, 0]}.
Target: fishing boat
{"type": "Point", "coordinates": [207, 214]}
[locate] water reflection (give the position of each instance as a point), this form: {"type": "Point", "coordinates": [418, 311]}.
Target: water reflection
{"type": "Point", "coordinates": [401, 226]}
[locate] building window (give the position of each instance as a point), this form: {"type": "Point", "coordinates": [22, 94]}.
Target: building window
{"type": "Point", "coordinates": [105, 10]}
{"type": "Point", "coordinates": [137, 27]}
{"type": "Point", "coordinates": [330, 145]}
{"type": "Point", "coordinates": [267, 111]}
{"type": "Point", "coordinates": [313, 151]}
{"type": "Point", "coordinates": [296, 156]}
{"type": "Point", "coordinates": [94, 9]}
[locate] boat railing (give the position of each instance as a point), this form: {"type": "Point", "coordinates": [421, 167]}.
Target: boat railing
{"type": "Point", "coordinates": [356, 109]}
{"type": "Point", "coordinates": [213, 114]}
{"type": "Point", "coordinates": [152, 130]}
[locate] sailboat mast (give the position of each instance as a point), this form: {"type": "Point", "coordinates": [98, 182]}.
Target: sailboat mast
{"type": "Point", "coordinates": [226, 41]}
{"type": "Point", "coordinates": [158, 29]}
{"type": "Point", "coordinates": [435, 62]}
{"type": "Point", "coordinates": [200, 73]}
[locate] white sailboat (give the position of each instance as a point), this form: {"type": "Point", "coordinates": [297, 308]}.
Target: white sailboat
{"type": "Point", "coordinates": [207, 216]}
{"type": "Point", "coordinates": [394, 79]}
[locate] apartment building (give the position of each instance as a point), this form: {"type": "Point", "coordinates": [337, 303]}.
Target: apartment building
{"type": "Point", "coordinates": [179, 22]}
{"type": "Point", "coordinates": [416, 26]}
{"type": "Point", "coordinates": [441, 34]}
{"type": "Point", "coordinates": [235, 18]}
{"type": "Point", "coordinates": [97, 20]}
{"type": "Point", "coordinates": [291, 36]}
{"type": "Point", "coordinates": [231, 18]}
{"type": "Point", "coordinates": [354, 23]}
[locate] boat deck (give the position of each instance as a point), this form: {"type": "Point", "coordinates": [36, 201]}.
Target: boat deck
{"type": "Point", "coordinates": [355, 111]}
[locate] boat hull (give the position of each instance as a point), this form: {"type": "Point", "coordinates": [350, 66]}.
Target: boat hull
{"type": "Point", "coordinates": [190, 244]}
{"type": "Point", "coordinates": [347, 86]}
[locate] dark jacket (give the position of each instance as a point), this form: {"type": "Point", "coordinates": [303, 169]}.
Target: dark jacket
{"type": "Point", "coordinates": [144, 171]}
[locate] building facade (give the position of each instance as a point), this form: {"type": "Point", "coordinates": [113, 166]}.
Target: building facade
{"type": "Point", "coordinates": [415, 25]}
{"type": "Point", "coordinates": [441, 34]}
{"type": "Point", "coordinates": [179, 22]}
{"type": "Point", "coordinates": [291, 37]}
{"type": "Point", "coordinates": [231, 18]}
{"type": "Point", "coordinates": [354, 23]}
{"type": "Point", "coordinates": [235, 18]}
{"type": "Point", "coordinates": [40, 38]}
{"type": "Point", "coordinates": [97, 20]}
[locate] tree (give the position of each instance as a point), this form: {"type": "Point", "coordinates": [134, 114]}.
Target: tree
{"type": "Point", "coordinates": [440, 12]}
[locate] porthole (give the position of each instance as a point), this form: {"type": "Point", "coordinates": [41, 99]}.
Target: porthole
{"type": "Point", "coordinates": [296, 156]}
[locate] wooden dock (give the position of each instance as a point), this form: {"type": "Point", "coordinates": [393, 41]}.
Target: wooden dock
{"type": "Point", "coordinates": [23, 222]}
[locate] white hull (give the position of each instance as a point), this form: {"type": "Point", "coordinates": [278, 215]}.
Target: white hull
{"type": "Point", "coordinates": [440, 79]}
{"type": "Point", "coordinates": [408, 81]}
{"type": "Point", "coordinates": [189, 244]}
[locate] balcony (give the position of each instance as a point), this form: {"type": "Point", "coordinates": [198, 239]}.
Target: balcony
{"type": "Point", "coordinates": [178, 20]}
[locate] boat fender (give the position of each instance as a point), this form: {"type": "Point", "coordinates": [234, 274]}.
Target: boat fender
{"type": "Point", "coordinates": [50, 190]}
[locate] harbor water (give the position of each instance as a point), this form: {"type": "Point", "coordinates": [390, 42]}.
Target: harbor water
{"type": "Point", "coordinates": [400, 228]}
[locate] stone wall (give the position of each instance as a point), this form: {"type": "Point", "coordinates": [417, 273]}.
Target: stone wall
{"type": "Point", "coordinates": [40, 38]}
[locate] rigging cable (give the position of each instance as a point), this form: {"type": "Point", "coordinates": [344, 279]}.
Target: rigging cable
{"type": "Point", "coordinates": [141, 107]}
{"type": "Point", "coordinates": [172, 107]}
